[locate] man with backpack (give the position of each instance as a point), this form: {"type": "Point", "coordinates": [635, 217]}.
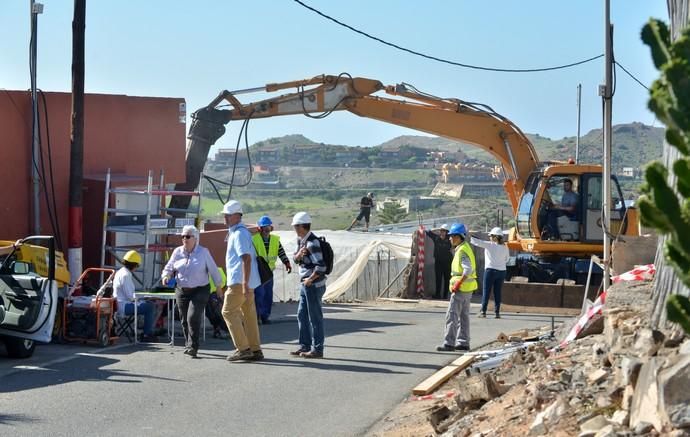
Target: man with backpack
{"type": "Point", "coordinates": [311, 256]}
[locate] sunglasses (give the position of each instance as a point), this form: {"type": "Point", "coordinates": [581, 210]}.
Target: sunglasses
{"type": "Point", "coordinates": [186, 237]}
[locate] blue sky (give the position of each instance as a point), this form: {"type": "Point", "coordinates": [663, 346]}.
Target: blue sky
{"type": "Point", "coordinates": [195, 49]}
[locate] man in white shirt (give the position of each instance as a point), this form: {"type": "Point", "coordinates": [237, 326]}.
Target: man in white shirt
{"type": "Point", "coordinates": [239, 308]}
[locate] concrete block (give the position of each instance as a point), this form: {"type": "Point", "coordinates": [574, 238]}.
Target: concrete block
{"type": "Point", "coordinates": [648, 342]}
{"type": "Point", "coordinates": [645, 401]}
{"type": "Point", "coordinates": [597, 376]}
{"type": "Point", "coordinates": [674, 392]}
{"type": "Point", "coordinates": [594, 424]}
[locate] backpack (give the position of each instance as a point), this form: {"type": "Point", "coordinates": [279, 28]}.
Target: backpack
{"type": "Point", "coordinates": [327, 252]}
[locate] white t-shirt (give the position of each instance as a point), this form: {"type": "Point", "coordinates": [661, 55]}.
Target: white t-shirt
{"type": "Point", "coordinates": [123, 288]}
{"type": "Point", "coordinates": [495, 255]}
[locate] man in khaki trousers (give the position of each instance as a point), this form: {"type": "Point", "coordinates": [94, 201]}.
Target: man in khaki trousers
{"type": "Point", "coordinates": [239, 309]}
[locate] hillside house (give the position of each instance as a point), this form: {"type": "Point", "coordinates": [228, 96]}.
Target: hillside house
{"type": "Point", "coordinates": [268, 154]}
{"type": "Point", "coordinates": [226, 157]}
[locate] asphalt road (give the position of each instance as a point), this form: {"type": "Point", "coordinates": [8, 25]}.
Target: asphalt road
{"type": "Point", "coordinates": [374, 356]}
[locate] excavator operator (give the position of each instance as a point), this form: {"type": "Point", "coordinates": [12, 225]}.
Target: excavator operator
{"type": "Point", "coordinates": [567, 207]}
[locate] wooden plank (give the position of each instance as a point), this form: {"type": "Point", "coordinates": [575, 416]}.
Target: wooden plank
{"type": "Point", "coordinates": [434, 381]}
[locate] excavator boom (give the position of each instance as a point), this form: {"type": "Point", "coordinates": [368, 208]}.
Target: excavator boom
{"type": "Point", "coordinates": [403, 105]}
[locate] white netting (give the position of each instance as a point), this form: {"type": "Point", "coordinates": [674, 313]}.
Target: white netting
{"type": "Point", "coordinates": [365, 264]}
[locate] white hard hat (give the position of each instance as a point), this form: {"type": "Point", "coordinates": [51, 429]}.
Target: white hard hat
{"type": "Point", "coordinates": [445, 226]}
{"type": "Point", "coordinates": [498, 232]}
{"type": "Point", "coordinates": [301, 218]}
{"type": "Point", "coordinates": [232, 207]}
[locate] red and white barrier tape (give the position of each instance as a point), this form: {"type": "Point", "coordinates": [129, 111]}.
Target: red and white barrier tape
{"type": "Point", "coordinates": [584, 319]}
{"type": "Point", "coordinates": [420, 260]}
{"type": "Point", "coordinates": [639, 273]}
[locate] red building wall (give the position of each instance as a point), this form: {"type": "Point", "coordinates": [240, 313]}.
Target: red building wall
{"type": "Point", "coordinates": [129, 135]}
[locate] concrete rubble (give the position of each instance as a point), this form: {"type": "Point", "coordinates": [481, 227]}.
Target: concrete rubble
{"type": "Point", "coordinates": [628, 379]}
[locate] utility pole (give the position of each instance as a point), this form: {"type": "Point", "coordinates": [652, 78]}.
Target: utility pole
{"type": "Point", "coordinates": [579, 108]}
{"type": "Point", "coordinates": [36, 8]}
{"type": "Point", "coordinates": [605, 91]}
{"type": "Point", "coordinates": [76, 174]}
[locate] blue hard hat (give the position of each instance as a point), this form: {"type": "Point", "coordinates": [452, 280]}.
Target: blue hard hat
{"type": "Point", "coordinates": [264, 220]}
{"type": "Point", "coordinates": [457, 229]}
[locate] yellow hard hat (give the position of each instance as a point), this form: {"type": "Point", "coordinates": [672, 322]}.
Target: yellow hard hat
{"type": "Point", "coordinates": [133, 257]}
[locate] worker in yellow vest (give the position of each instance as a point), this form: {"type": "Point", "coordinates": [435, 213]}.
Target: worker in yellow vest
{"type": "Point", "coordinates": [214, 306]}
{"type": "Point", "coordinates": [268, 247]}
{"type": "Point", "coordinates": [463, 282]}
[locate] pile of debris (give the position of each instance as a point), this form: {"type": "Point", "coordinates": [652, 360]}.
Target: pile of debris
{"type": "Point", "coordinates": [626, 379]}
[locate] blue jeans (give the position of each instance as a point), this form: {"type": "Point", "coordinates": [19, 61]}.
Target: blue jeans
{"type": "Point", "coordinates": [146, 309]}
{"type": "Point", "coordinates": [310, 318]}
{"type": "Point", "coordinates": [492, 279]}
{"type": "Point", "coordinates": [263, 296]}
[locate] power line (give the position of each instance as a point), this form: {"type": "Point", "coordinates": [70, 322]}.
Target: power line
{"type": "Point", "coordinates": [631, 75]}
{"type": "Point", "coordinates": [446, 61]}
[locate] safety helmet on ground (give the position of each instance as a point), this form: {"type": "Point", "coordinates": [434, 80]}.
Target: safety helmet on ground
{"type": "Point", "coordinates": [301, 218]}
{"type": "Point", "coordinates": [496, 232]}
{"type": "Point", "coordinates": [263, 221]}
{"type": "Point", "coordinates": [444, 227]}
{"type": "Point", "coordinates": [458, 229]}
{"type": "Point", "coordinates": [232, 207]}
{"type": "Point", "coordinates": [132, 256]}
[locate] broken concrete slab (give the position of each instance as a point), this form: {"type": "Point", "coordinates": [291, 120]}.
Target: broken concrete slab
{"type": "Point", "coordinates": [645, 401]}
{"type": "Point", "coordinates": [594, 424]}
{"type": "Point", "coordinates": [597, 376]}
{"type": "Point", "coordinates": [648, 342]}
{"type": "Point", "coordinates": [437, 416]}
{"type": "Point", "coordinates": [674, 387]}
{"type": "Point", "coordinates": [479, 388]}
{"type": "Point", "coordinates": [627, 371]}
{"type": "Point", "coordinates": [621, 418]}
{"type": "Point", "coordinates": [606, 431]}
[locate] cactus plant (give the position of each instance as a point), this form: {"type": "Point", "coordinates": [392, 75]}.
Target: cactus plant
{"type": "Point", "coordinates": [660, 206]}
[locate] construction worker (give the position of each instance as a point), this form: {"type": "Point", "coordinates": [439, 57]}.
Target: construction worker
{"type": "Point", "coordinates": [443, 255]}
{"type": "Point", "coordinates": [365, 206]}
{"type": "Point", "coordinates": [123, 292]}
{"type": "Point", "coordinates": [268, 247]}
{"type": "Point", "coordinates": [312, 272]}
{"type": "Point", "coordinates": [463, 282]}
{"type": "Point", "coordinates": [214, 306]}
{"type": "Point", "coordinates": [239, 308]}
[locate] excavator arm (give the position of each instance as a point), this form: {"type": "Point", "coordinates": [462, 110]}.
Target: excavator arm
{"type": "Point", "coordinates": [402, 105]}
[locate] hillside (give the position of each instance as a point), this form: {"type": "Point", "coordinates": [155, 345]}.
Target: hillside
{"type": "Point", "coordinates": [634, 145]}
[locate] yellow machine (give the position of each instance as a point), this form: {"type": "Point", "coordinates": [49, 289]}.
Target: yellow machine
{"type": "Point", "coordinates": [532, 186]}
{"type": "Point", "coordinates": [37, 257]}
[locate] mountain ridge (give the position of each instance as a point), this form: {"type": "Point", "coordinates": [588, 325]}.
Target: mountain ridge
{"type": "Point", "coordinates": [634, 145]}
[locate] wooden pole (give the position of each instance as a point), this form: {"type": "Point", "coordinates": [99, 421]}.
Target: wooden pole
{"type": "Point", "coordinates": [76, 175]}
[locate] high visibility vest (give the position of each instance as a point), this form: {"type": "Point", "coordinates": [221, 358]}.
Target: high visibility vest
{"type": "Point", "coordinates": [470, 282]}
{"type": "Point", "coordinates": [273, 243]}
{"type": "Point", "coordinates": [223, 279]}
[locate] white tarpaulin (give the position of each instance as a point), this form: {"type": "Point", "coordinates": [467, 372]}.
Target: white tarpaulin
{"type": "Point", "coordinates": [365, 263]}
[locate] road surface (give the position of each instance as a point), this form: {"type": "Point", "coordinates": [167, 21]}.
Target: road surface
{"type": "Point", "coordinates": [374, 355]}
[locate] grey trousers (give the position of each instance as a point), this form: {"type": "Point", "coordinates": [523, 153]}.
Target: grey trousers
{"type": "Point", "coordinates": [458, 320]}
{"type": "Point", "coordinates": [191, 305]}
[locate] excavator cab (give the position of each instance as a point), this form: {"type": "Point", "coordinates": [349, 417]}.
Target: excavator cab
{"type": "Point", "coordinates": [563, 205]}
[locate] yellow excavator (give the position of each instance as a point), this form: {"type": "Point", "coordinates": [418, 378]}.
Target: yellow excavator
{"type": "Point", "coordinates": [545, 228]}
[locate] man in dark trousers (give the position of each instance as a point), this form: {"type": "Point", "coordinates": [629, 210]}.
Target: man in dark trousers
{"type": "Point", "coordinates": [365, 206]}
{"type": "Point", "coordinates": [443, 255]}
